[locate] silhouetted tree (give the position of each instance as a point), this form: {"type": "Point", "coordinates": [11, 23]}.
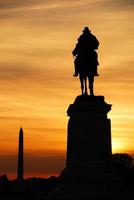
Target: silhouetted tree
{"type": "Point", "coordinates": [4, 183]}
{"type": "Point", "coordinates": [122, 160]}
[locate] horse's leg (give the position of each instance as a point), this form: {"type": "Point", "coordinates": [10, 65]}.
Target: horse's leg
{"type": "Point", "coordinates": [82, 84]}
{"type": "Point", "coordinates": [85, 79]}
{"type": "Point", "coordinates": [91, 82]}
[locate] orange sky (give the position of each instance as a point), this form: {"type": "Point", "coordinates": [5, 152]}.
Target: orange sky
{"type": "Point", "coordinates": [36, 83]}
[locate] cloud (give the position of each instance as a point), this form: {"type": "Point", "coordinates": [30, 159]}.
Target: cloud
{"type": "Point", "coordinates": [38, 8]}
{"type": "Point", "coordinates": [122, 3]}
{"type": "Point", "coordinates": [21, 75]}
{"type": "Point", "coordinates": [48, 162]}
{"type": "Point", "coordinates": [12, 71]}
{"type": "Point", "coordinates": [47, 3]}
{"type": "Point", "coordinates": [40, 4]}
{"type": "Point", "coordinates": [16, 3]}
{"type": "Point", "coordinates": [115, 5]}
{"type": "Point", "coordinates": [47, 8]}
{"type": "Point", "coordinates": [37, 162]}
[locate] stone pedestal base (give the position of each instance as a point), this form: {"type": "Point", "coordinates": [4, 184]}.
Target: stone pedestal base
{"type": "Point", "coordinates": [89, 173]}
{"type": "Point", "coordinates": [89, 133]}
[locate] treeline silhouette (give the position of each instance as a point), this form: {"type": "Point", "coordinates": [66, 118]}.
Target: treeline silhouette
{"type": "Point", "coordinates": [31, 188]}
{"type": "Point", "coordinates": [39, 188]}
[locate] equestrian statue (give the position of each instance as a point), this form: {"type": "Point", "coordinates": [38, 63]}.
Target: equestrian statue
{"type": "Point", "coordinates": [86, 60]}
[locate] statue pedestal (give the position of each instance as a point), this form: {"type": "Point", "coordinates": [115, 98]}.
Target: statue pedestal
{"type": "Point", "coordinates": [89, 172]}
{"type": "Point", "coordinates": [89, 135]}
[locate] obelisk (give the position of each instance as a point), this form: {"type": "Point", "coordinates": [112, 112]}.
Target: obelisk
{"type": "Point", "coordinates": [20, 156]}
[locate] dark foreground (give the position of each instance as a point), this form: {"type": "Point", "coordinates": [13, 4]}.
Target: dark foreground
{"type": "Point", "coordinates": [63, 188]}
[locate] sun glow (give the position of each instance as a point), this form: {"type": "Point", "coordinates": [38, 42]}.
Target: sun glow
{"type": "Point", "coordinates": [117, 145]}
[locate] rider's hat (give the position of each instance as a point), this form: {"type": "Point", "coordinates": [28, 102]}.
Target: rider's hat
{"type": "Point", "coordinates": [85, 30]}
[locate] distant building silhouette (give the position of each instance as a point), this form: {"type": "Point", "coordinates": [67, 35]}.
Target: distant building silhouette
{"type": "Point", "coordinates": [20, 156]}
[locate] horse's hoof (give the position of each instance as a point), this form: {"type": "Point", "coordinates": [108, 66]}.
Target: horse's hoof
{"type": "Point", "coordinates": [75, 75]}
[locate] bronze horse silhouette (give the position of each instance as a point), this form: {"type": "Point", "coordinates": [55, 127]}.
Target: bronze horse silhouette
{"type": "Point", "coordinates": [87, 67]}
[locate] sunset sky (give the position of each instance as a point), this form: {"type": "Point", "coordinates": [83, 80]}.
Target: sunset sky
{"type": "Point", "coordinates": [36, 82]}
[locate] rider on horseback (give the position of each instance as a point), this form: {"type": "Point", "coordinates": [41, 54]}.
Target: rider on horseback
{"type": "Point", "coordinates": [85, 48]}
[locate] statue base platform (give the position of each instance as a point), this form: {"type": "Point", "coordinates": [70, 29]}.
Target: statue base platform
{"type": "Point", "coordinates": [89, 172]}
{"type": "Point", "coordinates": [89, 132]}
